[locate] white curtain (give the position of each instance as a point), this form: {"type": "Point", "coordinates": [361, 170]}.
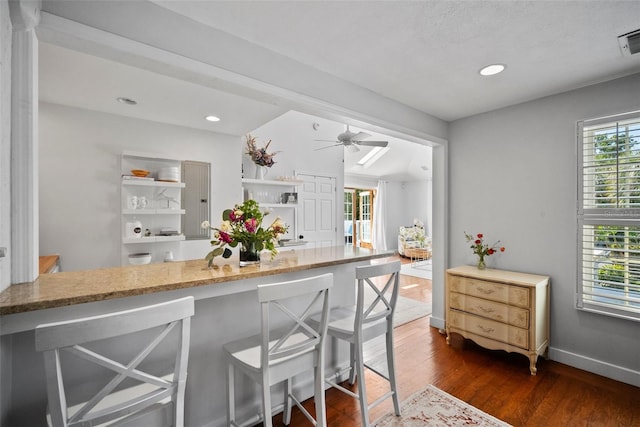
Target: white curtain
{"type": "Point", "coordinates": [379, 236]}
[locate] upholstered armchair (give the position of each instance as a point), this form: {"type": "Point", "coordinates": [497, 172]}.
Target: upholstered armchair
{"type": "Point", "coordinates": [412, 237]}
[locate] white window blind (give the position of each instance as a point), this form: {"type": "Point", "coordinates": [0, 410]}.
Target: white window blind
{"type": "Point", "coordinates": [609, 215]}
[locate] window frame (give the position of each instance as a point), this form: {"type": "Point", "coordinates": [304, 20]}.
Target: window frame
{"type": "Point", "coordinates": [588, 297]}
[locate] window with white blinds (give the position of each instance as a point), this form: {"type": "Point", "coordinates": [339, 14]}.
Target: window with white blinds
{"type": "Point", "coordinates": [609, 215]}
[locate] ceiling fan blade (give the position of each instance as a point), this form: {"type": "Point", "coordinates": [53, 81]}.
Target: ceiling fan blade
{"type": "Point", "coordinates": [328, 140]}
{"type": "Point", "coordinates": [372, 143]}
{"type": "Point", "coordinates": [360, 136]}
{"type": "Point", "coordinates": [328, 146]}
{"type": "Point", "coordinates": [353, 148]}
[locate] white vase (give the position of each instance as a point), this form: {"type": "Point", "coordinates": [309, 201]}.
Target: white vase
{"type": "Point", "coordinates": [261, 172]}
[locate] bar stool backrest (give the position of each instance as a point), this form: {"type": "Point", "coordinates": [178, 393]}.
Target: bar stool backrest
{"type": "Point", "coordinates": [298, 337]}
{"type": "Point", "coordinates": [384, 302]}
{"type": "Point", "coordinates": [71, 337]}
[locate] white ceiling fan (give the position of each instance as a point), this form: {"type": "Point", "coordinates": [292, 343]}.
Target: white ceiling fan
{"type": "Point", "coordinates": [351, 140]}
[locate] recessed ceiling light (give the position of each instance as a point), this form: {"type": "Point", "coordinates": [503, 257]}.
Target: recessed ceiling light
{"type": "Point", "coordinates": [127, 101]}
{"type": "Point", "coordinates": [212, 118]}
{"type": "Point", "coordinates": [492, 69]}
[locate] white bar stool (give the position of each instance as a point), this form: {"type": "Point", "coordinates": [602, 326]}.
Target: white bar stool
{"type": "Point", "coordinates": [277, 355]}
{"type": "Point", "coordinates": [127, 406]}
{"type": "Point", "coordinates": [363, 322]}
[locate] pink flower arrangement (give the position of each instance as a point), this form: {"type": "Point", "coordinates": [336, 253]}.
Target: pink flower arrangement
{"type": "Point", "coordinates": [243, 225]}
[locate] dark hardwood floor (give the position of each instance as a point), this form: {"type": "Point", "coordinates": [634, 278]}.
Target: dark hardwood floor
{"type": "Point", "coordinates": [493, 381]}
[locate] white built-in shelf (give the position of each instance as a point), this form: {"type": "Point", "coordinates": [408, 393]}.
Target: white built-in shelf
{"type": "Point", "coordinates": [278, 205]}
{"type": "Point", "coordinates": [153, 239]}
{"type": "Point", "coordinates": [147, 183]}
{"type": "Point", "coordinates": [159, 211]}
{"type": "Point", "coordinates": [287, 183]}
{"type": "Point", "coordinates": [148, 156]}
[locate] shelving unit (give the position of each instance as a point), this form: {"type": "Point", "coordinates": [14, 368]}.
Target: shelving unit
{"type": "Point", "coordinates": [268, 195]}
{"type": "Point", "coordinates": [161, 212]}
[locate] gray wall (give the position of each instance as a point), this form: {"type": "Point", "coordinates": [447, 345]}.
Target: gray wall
{"type": "Point", "coordinates": [513, 178]}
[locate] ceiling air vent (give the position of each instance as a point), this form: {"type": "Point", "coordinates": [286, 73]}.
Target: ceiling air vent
{"type": "Point", "coordinates": [630, 43]}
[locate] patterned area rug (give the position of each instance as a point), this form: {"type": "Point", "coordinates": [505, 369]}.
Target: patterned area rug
{"type": "Point", "coordinates": [434, 407]}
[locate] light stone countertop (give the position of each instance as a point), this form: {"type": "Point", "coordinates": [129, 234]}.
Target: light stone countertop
{"type": "Point", "coordinates": [78, 287]}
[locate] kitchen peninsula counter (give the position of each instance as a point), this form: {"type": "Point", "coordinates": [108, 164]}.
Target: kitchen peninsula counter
{"type": "Point", "coordinates": [226, 309]}
{"type": "Point", "coordinates": [52, 291]}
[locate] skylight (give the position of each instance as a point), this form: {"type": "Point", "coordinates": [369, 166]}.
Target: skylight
{"type": "Point", "coordinates": [372, 156]}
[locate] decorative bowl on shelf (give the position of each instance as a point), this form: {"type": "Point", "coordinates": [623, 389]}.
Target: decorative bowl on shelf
{"type": "Point", "coordinates": [140, 172]}
{"type": "Point", "coordinates": [140, 258]}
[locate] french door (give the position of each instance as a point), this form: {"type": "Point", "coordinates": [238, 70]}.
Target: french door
{"type": "Point", "coordinates": [365, 222]}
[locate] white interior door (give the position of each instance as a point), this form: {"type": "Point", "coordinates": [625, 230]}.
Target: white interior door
{"type": "Point", "coordinates": [317, 210]}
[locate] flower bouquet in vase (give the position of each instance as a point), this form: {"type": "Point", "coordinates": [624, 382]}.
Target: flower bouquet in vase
{"type": "Point", "coordinates": [242, 226]}
{"type": "Point", "coordinates": [481, 249]}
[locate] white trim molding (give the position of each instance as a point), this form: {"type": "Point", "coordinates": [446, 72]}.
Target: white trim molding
{"type": "Point", "coordinates": [25, 16]}
{"type": "Point", "coordinates": [618, 373]}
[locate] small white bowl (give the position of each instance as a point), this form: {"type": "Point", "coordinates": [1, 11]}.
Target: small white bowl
{"type": "Point", "coordinates": [140, 258]}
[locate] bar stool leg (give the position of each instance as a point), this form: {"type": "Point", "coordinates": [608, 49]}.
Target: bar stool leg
{"type": "Point", "coordinates": [352, 363]}
{"type": "Point", "coordinates": [286, 413]}
{"type": "Point", "coordinates": [319, 397]}
{"type": "Point", "coordinates": [231, 405]}
{"type": "Point", "coordinates": [362, 387]}
{"type": "Point", "coordinates": [392, 370]}
{"type": "Point", "coordinates": [266, 399]}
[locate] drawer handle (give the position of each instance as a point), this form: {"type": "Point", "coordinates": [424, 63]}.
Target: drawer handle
{"type": "Point", "coordinates": [486, 310]}
{"type": "Point", "coordinates": [486, 291]}
{"type": "Point", "coordinates": [485, 330]}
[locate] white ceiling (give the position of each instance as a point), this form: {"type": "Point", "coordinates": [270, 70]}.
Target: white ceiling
{"type": "Point", "coordinates": [425, 54]}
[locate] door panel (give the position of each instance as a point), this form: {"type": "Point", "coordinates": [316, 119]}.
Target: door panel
{"type": "Point", "coordinates": [195, 198]}
{"type": "Point", "coordinates": [317, 202]}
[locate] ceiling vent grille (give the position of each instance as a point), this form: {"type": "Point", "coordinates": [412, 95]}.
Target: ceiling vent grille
{"type": "Point", "coordinates": [630, 43]}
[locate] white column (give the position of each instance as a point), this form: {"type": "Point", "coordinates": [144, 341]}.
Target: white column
{"type": "Point", "coordinates": [25, 16]}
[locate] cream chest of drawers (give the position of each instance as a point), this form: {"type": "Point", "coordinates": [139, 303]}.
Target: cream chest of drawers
{"type": "Point", "coordinates": [499, 310]}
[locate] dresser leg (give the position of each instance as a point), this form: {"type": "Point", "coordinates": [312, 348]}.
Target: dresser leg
{"type": "Point", "coordinates": [448, 338]}
{"type": "Point", "coordinates": [532, 363]}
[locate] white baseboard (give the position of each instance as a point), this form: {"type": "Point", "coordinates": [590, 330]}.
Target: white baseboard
{"type": "Point", "coordinates": [437, 322]}
{"type": "Point", "coordinates": [595, 366]}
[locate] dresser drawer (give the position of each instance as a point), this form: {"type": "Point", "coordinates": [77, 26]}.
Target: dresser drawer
{"type": "Point", "coordinates": [493, 310]}
{"type": "Point", "coordinates": [488, 328]}
{"type": "Point", "coordinates": [509, 294]}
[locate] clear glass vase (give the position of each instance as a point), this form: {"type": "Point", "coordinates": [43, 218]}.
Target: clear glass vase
{"type": "Point", "coordinates": [481, 264]}
{"type": "Point", "coordinates": [249, 255]}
